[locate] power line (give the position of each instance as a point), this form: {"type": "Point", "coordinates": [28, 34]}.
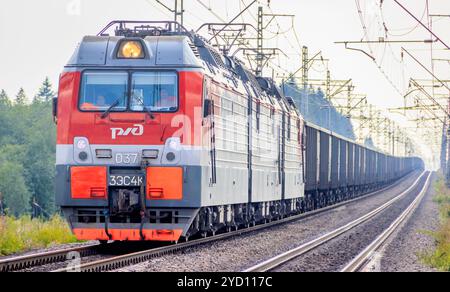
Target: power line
{"type": "Point", "coordinates": [211, 11]}
{"type": "Point", "coordinates": [178, 11]}
{"type": "Point", "coordinates": [234, 19]}
{"type": "Point", "coordinates": [420, 22]}
{"type": "Point", "coordinates": [410, 30]}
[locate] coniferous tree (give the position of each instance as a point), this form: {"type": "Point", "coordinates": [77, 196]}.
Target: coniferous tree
{"type": "Point", "coordinates": [4, 99]}
{"type": "Point", "coordinates": [21, 97]}
{"type": "Point", "coordinates": [45, 93]}
{"type": "Point", "coordinates": [15, 193]}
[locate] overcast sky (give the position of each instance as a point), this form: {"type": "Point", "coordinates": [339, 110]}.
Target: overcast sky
{"type": "Point", "coordinates": [38, 37]}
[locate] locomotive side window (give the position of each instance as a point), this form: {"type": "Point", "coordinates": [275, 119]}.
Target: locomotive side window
{"type": "Point", "coordinates": [157, 91]}
{"type": "Point", "coordinates": [100, 90]}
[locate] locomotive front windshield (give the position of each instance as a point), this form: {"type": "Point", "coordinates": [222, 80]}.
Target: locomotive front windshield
{"type": "Point", "coordinates": [156, 91]}
{"type": "Point", "coordinates": [100, 90]}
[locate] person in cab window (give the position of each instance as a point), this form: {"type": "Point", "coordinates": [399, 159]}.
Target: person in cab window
{"type": "Point", "coordinates": [166, 101]}
{"type": "Point", "coordinates": [99, 103]}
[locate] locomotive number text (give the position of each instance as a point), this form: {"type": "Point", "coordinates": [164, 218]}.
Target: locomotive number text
{"type": "Point", "coordinates": [126, 180]}
{"type": "Point", "coordinates": [127, 158]}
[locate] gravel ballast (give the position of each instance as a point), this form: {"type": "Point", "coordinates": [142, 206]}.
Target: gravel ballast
{"type": "Point", "coordinates": [239, 253]}
{"type": "Point", "coordinates": [336, 254]}
{"type": "Point", "coordinates": [403, 252]}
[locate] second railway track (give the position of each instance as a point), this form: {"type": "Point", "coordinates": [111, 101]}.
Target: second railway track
{"type": "Point", "coordinates": [362, 261]}
{"type": "Point", "coordinates": [357, 263]}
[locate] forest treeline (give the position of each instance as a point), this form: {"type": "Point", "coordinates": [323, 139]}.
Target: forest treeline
{"type": "Point", "coordinates": [27, 153]}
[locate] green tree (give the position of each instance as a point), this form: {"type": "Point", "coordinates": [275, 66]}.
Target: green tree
{"type": "Point", "coordinates": [21, 97]}
{"type": "Point", "coordinates": [27, 152]}
{"type": "Point", "coordinates": [16, 196]}
{"type": "Point", "coordinates": [45, 93]}
{"type": "Point", "coordinates": [4, 99]}
{"type": "Point", "coordinates": [40, 155]}
{"type": "Point", "coordinates": [5, 121]}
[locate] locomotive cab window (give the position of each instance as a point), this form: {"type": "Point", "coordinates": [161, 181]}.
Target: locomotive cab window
{"type": "Point", "coordinates": [100, 90]}
{"type": "Point", "coordinates": [157, 91]}
{"type": "Point", "coordinates": [154, 91]}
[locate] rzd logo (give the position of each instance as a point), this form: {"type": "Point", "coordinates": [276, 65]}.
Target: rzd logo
{"type": "Point", "coordinates": [137, 130]}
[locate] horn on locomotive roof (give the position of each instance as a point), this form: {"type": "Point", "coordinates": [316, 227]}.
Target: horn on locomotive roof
{"type": "Point", "coordinates": [144, 29]}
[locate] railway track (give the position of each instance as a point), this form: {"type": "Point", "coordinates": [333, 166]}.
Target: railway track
{"type": "Point", "coordinates": [142, 256]}
{"type": "Point", "coordinates": [51, 260]}
{"type": "Point", "coordinates": [363, 260]}
{"type": "Point", "coordinates": [366, 255]}
{"type": "Point", "coordinates": [45, 258]}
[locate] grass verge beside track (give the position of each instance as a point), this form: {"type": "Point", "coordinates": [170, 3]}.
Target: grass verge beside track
{"type": "Point", "coordinates": [24, 234]}
{"type": "Point", "coordinates": [440, 257]}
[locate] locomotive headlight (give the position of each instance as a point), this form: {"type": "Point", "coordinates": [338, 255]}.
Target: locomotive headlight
{"type": "Point", "coordinates": [82, 150]}
{"type": "Point", "coordinates": [171, 156]}
{"type": "Point", "coordinates": [81, 144]}
{"type": "Point", "coordinates": [131, 50]}
{"type": "Point", "coordinates": [174, 145]}
{"type": "Point", "coordinates": [83, 156]}
{"type": "Point", "coordinates": [172, 151]}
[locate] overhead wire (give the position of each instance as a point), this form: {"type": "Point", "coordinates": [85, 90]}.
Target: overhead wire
{"type": "Point", "coordinates": [410, 30]}
{"type": "Point", "coordinates": [367, 37]}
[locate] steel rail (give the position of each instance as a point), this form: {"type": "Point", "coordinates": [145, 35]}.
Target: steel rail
{"type": "Point", "coordinates": [358, 263]}
{"type": "Point", "coordinates": [142, 256]}
{"type": "Point", "coordinates": [44, 258]}
{"type": "Point", "coordinates": [313, 244]}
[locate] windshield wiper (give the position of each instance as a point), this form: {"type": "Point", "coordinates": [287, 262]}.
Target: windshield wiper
{"type": "Point", "coordinates": [148, 110]}
{"type": "Point", "coordinates": [106, 113]}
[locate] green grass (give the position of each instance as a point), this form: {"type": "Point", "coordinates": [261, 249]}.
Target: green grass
{"type": "Point", "coordinates": [440, 257]}
{"type": "Point", "coordinates": [23, 234]}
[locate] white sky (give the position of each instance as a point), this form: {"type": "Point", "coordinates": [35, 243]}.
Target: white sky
{"type": "Point", "coordinates": [38, 37]}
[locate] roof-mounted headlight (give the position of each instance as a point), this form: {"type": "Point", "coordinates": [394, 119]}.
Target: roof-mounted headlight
{"type": "Point", "coordinates": [131, 50]}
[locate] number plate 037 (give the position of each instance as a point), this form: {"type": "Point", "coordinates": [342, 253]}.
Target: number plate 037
{"type": "Point", "coordinates": [127, 158]}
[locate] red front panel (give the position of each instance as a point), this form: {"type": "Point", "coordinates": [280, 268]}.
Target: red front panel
{"type": "Point", "coordinates": [89, 182]}
{"type": "Point", "coordinates": [186, 123]}
{"type": "Point", "coordinates": [127, 234]}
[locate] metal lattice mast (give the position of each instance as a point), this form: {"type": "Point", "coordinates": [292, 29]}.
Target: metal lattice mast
{"type": "Point", "coordinates": [328, 85]}
{"type": "Point", "coordinates": [305, 66]}
{"type": "Point", "coordinates": [260, 42]}
{"type": "Point", "coordinates": [179, 11]}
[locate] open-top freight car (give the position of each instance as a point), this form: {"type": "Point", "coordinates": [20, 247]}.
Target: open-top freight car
{"type": "Point", "coordinates": [338, 169]}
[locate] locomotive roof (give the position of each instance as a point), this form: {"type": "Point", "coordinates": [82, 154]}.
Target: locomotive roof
{"type": "Point", "coordinates": [168, 44]}
{"type": "Point", "coordinates": [162, 51]}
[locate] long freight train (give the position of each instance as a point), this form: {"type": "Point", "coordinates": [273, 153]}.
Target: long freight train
{"type": "Point", "coordinates": [162, 137]}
